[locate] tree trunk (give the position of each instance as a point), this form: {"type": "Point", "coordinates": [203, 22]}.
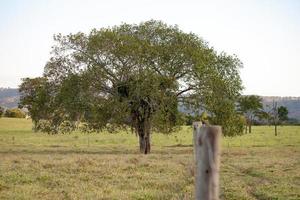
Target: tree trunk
{"type": "Point", "coordinates": [275, 124]}
{"type": "Point", "coordinates": [275, 117]}
{"type": "Point", "coordinates": [144, 144]}
{"type": "Point", "coordinates": [250, 125]}
{"type": "Point", "coordinates": [141, 121]}
{"type": "Point", "coordinates": [250, 128]}
{"type": "Point", "coordinates": [144, 136]}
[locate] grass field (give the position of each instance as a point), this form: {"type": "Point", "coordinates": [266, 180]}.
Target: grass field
{"type": "Point", "coordinates": [109, 166]}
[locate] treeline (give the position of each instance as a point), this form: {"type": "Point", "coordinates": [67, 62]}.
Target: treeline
{"type": "Point", "coordinates": [264, 122]}
{"type": "Point", "coordinates": [251, 111]}
{"type": "Point", "coordinates": [12, 113]}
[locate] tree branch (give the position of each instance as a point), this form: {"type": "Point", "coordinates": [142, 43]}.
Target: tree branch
{"type": "Point", "coordinates": [185, 90]}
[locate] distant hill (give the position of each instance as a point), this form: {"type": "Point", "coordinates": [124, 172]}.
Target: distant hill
{"type": "Point", "coordinates": [292, 103]}
{"type": "Point", "coordinates": [9, 98]}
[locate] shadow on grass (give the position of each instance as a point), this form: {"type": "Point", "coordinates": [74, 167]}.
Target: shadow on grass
{"type": "Point", "coordinates": [115, 151]}
{"type": "Point", "coordinates": [180, 145]}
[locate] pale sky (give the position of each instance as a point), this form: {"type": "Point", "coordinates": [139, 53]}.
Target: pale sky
{"type": "Point", "coordinates": [265, 35]}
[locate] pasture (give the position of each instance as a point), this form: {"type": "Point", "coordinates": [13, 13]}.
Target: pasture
{"type": "Point", "coordinates": [109, 166]}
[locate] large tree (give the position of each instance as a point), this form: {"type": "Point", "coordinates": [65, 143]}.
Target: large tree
{"type": "Point", "coordinates": [134, 75]}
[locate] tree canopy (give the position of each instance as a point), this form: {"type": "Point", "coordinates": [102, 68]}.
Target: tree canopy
{"type": "Point", "coordinates": [132, 75]}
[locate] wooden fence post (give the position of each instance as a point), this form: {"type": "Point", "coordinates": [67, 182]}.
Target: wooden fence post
{"type": "Point", "coordinates": [207, 157]}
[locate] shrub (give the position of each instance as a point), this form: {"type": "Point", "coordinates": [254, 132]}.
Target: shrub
{"type": "Point", "coordinates": [14, 113]}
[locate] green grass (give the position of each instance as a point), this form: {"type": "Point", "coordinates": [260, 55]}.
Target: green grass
{"type": "Point", "coordinates": [109, 166]}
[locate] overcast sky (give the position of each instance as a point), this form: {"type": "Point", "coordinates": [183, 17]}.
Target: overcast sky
{"type": "Point", "coordinates": [265, 35]}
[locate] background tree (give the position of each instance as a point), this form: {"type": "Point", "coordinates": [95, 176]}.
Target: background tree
{"type": "Point", "coordinates": [251, 106]}
{"type": "Point", "coordinates": [132, 75]}
{"type": "Point", "coordinates": [264, 117]}
{"type": "Point", "coordinates": [274, 116]}
{"type": "Point", "coordinates": [283, 113]}
{"type": "Point", "coordinates": [1, 111]}
{"type": "Point", "coordinates": [277, 115]}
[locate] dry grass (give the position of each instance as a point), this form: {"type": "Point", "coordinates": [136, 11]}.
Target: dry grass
{"type": "Point", "coordinates": [109, 166]}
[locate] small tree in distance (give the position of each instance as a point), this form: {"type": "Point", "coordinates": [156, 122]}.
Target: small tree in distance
{"type": "Point", "coordinates": [283, 114]}
{"type": "Point", "coordinates": [1, 111]}
{"type": "Point", "coordinates": [250, 106]}
{"type": "Point", "coordinates": [274, 116]}
{"type": "Point", "coordinates": [277, 115]}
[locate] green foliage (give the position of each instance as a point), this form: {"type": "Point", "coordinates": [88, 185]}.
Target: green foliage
{"type": "Point", "coordinates": [131, 75]}
{"type": "Point", "coordinates": [35, 95]}
{"type": "Point", "coordinates": [14, 113]}
{"type": "Point", "coordinates": [251, 107]}
{"type": "Point", "coordinates": [276, 115]}
{"type": "Point", "coordinates": [227, 117]}
{"type": "Point", "coordinates": [283, 113]}
{"type": "Point", "coordinates": [263, 115]}
{"type": "Point", "coordinates": [189, 119]}
{"type": "Point", "coordinates": [204, 116]}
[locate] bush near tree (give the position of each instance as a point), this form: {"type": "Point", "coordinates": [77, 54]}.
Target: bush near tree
{"type": "Point", "coordinates": [14, 113]}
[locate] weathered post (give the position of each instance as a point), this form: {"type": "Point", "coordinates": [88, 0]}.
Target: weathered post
{"type": "Point", "coordinates": [207, 157]}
